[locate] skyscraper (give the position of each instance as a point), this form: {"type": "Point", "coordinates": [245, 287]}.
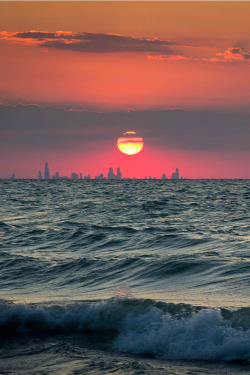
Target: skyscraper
{"type": "Point", "coordinates": [39, 175]}
{"type": "Point", "coordinates": [88, 177]}
{"type": "Point", "coordinates": [100, 177]}
{"type": "Point", "coordinates": [74, 176]}
{"type": "Point", "coordinates": [46, 171]}
{"type": "Point", "coordinates": [111, 175]}
{"type": "Point", "coordinates": [164, 177]}
{"type": "Point", "coordinates": [119, 175]}
{"type": "Point", "coordinates": [175, 175]}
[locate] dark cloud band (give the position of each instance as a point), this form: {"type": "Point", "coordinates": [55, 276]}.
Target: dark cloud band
{"type": "Point", "coordinates": [93, 42]}
{"type": "Point", "coordinates": [176, 129]}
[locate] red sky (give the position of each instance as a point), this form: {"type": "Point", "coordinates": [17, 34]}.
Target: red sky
{"type": "Point", "coordinates": [111, 56]}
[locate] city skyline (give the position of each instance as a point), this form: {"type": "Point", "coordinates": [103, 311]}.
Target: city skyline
{"type": "Point", "coordinates": [46, 175]}
{"type": "Point", "coordinates": [110, 175]}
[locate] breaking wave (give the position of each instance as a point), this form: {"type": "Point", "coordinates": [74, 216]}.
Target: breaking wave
{"type": "Point", "coordinates": [144, 327]}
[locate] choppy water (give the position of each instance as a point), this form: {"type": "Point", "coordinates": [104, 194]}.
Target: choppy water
{"type": "Point", "coordinates": [159, 268]}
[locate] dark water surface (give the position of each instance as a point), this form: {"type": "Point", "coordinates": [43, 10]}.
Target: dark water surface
{"type": "Point", "coordinates": [125, 277]}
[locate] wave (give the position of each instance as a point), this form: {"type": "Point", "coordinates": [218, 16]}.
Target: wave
{"type": "Point", "coordinates": [95, 271]}
{"type": "Point", "coordinates": [165, 330]}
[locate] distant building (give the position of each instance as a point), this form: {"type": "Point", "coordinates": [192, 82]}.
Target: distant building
{"type": "Point", "coordinates": [56, 176]}
{"type": "Point", "coordinates": [164, 177]}
{"type": "Point", "coordinates": [12, 176]}
{"type": "Point", "coordinates": [40, 177]}
{"type": "Point", "coordinates": [119, 175]}
{"type": "Point", "coordinates": [100, 177]}
{"type": "Point", "coordinates": [175, 175]}
{"type": "Point", "coordinates": [80, 176]}
{"type": "Point", "coordinates": [74, 176]}
{"type": "Point", "coordinates": [88, 177]}
{"type": "Point", "coordinates": [46, 171]}
{"type": "Point", "coordinates": [111, 175]}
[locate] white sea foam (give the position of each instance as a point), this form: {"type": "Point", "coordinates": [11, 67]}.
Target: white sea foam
{"type": "Point", "coordinates": [204, 336]}
{"type": "Point", "coordinates": [142, 327]}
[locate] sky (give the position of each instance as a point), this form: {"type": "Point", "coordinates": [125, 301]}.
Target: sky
{"type": "Point", "coordinates": [74, 76]}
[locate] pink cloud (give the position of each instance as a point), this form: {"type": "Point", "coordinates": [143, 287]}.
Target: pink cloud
{"type": "Point", "coordinates": [234, 54]}
{"type": "Point", "coordinates": [167, 57]}
{"type": "Point", "coordinates": [229, 55]}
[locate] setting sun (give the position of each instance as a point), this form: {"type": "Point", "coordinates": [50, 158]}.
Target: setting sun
{"type": "Point", "coordinates": [129, 143]}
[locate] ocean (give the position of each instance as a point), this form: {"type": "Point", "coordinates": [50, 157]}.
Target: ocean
{"type": "Point", "coordinates": [125, 277]}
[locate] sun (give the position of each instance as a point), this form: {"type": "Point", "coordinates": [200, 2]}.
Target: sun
{"type": "Point", "coordinates": [130, 143]}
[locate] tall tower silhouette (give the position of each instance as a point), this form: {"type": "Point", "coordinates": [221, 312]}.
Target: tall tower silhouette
{"type": "Point", "coordinates": [177, 173]}
{"type": "Point", "coordinates": [46, 171]}
{"type": "Point", "coordinates": [119, 175]}
{"type": "Point", "coordinates": [111, 175]}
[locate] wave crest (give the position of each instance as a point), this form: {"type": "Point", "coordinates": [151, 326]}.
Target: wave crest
{"type": "Point", "coordinates": [166, 330]}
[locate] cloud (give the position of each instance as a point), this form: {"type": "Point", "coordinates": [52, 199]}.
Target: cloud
{"type": "Point", "coordinates": [234, 54]}
{"type": "Point", "coordinates": [51, 128]}
{"type": "Point", "coordinates": [167, 57]}
{"type": "Point", "coordinates": [230, 55]}
{"type": "Point", "coordinates": [90, 42]}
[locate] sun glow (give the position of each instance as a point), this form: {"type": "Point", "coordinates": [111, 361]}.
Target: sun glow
{"type": "Point", "coordinates": [129, 143]}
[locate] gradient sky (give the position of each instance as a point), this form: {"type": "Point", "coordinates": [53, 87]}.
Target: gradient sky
{"type": "Point", "coordinates": [183, 67]}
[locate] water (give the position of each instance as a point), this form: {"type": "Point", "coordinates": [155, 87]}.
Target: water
{"type": "Point", "coordinates": [125, 277]}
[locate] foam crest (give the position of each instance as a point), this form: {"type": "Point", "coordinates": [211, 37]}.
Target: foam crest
{"type": "Point", "coordinates": [203, 336]}
{"type": "Point", "coordinates": [171, 331]}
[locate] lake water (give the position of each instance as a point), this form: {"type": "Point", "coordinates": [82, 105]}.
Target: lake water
{"type": "Point", "coordinates": [125, 277]}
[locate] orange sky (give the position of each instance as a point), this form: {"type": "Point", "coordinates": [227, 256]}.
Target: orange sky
{"type": "Point", "coordinates": [199, 30]}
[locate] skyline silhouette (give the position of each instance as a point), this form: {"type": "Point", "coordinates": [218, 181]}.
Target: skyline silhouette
{"type": "Point", "coordinates": [110, 175]}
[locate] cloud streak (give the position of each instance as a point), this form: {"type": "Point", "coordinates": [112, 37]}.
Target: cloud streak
{"type": "Point", "coordinates": [90, 42]}
{"type": "Point", "coordinates": [51, 128]}
{"type": "Point", "coordinates": [167, 57]}
{"type": "Point", "coordinates": [229, 55]}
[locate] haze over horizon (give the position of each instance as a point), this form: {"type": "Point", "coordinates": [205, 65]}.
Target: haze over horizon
{"type": "Point", "coordinates": [202, 144]}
